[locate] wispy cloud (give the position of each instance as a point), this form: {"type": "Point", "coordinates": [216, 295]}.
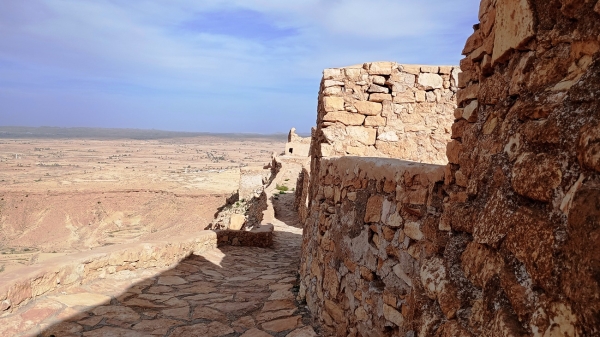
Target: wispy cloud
{"type": "Point", "coordinates": [215, 65]}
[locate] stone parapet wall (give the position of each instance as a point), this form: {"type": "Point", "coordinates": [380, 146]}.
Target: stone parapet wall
{"type": "Point", "coordinates": [507, 243]}
{"type": "Point", "coordinates": [385, 109]}
{"type": "Point", "coordinates": [373, 227]}
{"type": "Point", "coordinates": [524, 178]}
{"type": "Point", "coordinates": [27, 283]}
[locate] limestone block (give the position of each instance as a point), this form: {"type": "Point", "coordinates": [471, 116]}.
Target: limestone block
{"type": "Point", "coordinates": [474, 42]}
{"type": "Point", "coordinates": [375, 121]}
{"type": "Point", "coordinates": [332, 103]}
{"type": "Point", "coordinates": [470, 111]}
{"type": "Point", "coordinates": [380, 68]}
{"type": "Point", "coordinates": [413, 231]}
{"type": "Point", "coordinates": [374, 207]}
{"type": "Point", "coordinates": [404, 97]}
{"type": "Point", "coordinates": [332, 91]}
{"type": "Point", "coordinates": [468, 93]}
{"type": "Point", "coordinates": [331, 83]}
{"type": "Point", "coordinates": [513, 27]}
{"type": "Point", "coordinates": [430, 69]}
{"type": "Point", "coordinates": [378, 97]}
{"type": "Point", "coordinates": [356, 150]}
{"type": "Point", "coordinates": [411, 69]}
{"type": "Point", "coordinates": [430, 81]}
{"type": "Point", "coordinates": [346, 118]}
{"type": "Point", "coordinates": [333, 73]}
{"type": "Point", "coordinates": [392, 315]}
{"type": "Point", "coordinates": [368, 108]}
{"type": "Point", "coordinates": [420, 96]}
{"type": "Point", "coordinates": [379, 80]}
{"type": "Point", "coordinates": [389, 136]}
{"type": "Point", "coordinates": [446, 70]}
{"type": "Point", "coordinates": [536, 176]}
{"type": "Point", "coordinates": [334, 134]}
{"type": "Point", "coordinates": [363, 135]}
{"type": "Point", "coordinates": [374, 88]}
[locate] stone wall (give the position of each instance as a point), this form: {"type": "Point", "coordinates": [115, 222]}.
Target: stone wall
{"type": "Point", "coordinates": [297, 146]}
{"type": "Point", "coordinates": [524, 178]}
{"type": "Point", "coordinates": [372, 224]}
{"type": "Point", "coordinates": [506, 244]}
{"type": "Point", "coordinates": [369, 109]}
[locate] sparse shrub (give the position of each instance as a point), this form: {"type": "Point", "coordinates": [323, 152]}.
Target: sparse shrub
{"type": "Point", "coordinates": [281, 188]}
{"type": "Point", "coordinates": [281, 192]}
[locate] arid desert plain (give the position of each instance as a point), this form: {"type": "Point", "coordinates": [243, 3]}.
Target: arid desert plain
{"type": "Point", "coordinates": [67, 192]}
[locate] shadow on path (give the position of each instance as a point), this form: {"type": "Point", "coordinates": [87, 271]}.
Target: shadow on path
{"type": "Point", "coordinates": [230, 291]}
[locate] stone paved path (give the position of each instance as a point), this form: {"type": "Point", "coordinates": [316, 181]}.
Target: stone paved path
{"type": "Point", "coordinates": [231, 291]}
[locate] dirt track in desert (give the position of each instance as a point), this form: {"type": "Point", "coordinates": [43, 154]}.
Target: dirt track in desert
{"type": "Point", "coordinates": [61, 195]}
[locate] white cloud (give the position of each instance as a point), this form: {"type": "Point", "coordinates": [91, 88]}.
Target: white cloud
{"type": "Point", "coordinates": [97, 46]}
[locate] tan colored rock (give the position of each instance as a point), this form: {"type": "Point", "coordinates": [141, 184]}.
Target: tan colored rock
{"type": "Point", "coordinates": [306, 331]}
{"type": "Point", "coordinates": [368, 108]}
{"type": "Point", "coordinates": [237, 221]}
{"type": "Point", "coordinates": [453, 151]}
{"type": "Point", "coordinates": [513, 27]}
{"type": "Point", "coordinates": [470, 111]}
{"type": "Point", "coordinates": [380, 97]}
{"type": "Point", "coordinates": [356, 150]}
{"type": "Point", "coordinates": [411, 69]}
{"type": "Point", "coordinates": [413, 231]}
{"type": "Point", "coordinates": [380, 68]}
{"type": "Point", "coordinates": [375, 121]}
{"type": "Point", "coordinates": [392, 315]}
{"type": "Point", "coordinates": [332, 103]}
{"type": "Point", "coordinates": [331, 83]}
{"type": "Point", "coordinates": [536, 176]}
{"type": "Point", "coordinates": [430, 69]}
{"type": "Point", "coordinates": [254, 332]}
{"type": "Point", "coordinates": [430, 81]}
{"type": "Point", "coordinates": [346, 118]}
{"type": "Point", "coordinates": [363, 135]}
{"type": "Point", "coordinates": [374, 206]}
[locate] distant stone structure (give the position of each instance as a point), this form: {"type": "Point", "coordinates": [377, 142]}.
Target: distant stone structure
{"type": "Point", "coordinates": [297, 146]}
{"type": "Point", "coordinates": [501, 241]}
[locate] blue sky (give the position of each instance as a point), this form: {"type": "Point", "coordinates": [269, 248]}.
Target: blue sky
{"type": "Point", "coordinates": [209, 66]}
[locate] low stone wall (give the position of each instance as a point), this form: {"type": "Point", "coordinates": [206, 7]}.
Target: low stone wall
{"type": "Point", "coordinates": [301, 194]}
{"type": "Point", "coordinates": [23, 285]}
{"type": "Point", "coordinates": [507, 244]}
{"type": "Point", "coordinates": [258, 237]}
{"type": "Point", "coordinates": [368, 246]}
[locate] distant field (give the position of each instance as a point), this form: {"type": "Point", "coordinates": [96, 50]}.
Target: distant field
{"type": "Point", "coordinates": [18, 132]}
{"type": "Point", "coordinates": [67, 190]}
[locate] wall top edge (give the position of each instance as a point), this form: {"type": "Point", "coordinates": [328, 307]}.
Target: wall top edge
{"type": "Point", "coordinates": [368, 65]}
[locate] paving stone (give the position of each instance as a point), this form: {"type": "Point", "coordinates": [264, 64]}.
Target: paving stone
{"type": "Point", "coordinates": [82, 299]}
{"type": "Point", "coordinates": [214, 329]}
{"type": "Point", "coordinates": [171, 280]}
{"type": "Point", "coordinates": [306, 331]}
{"type": "Point", "coordinates": [182, 313]}
{"type": "Point", "coordinates": [208, 313]}
{"type": "Point", "coordinates": [156, 326]}
{"type": "Point", "coordinates": [109, 331]}
{"type": "Point", "coordinates": [255, 333]}
{"type": "Point", "coordinates": [283, 324]}
{"type": "Point", "coordinates": [242, 291]}
{"type": "Point", "coordinates": [123, 314]}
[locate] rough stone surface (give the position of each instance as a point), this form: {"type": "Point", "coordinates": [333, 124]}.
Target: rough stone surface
{"type": "Point", "coordinates": [216, 292]}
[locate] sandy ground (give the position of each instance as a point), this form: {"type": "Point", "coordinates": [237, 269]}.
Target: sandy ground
{"type": "Point", "coordinates": [64, 195]}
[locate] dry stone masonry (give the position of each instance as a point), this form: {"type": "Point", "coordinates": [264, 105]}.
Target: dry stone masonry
{"type": "Point", "coordinates": [369, 109]}
{"type": "Point", "coordinates": [503, 242]}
